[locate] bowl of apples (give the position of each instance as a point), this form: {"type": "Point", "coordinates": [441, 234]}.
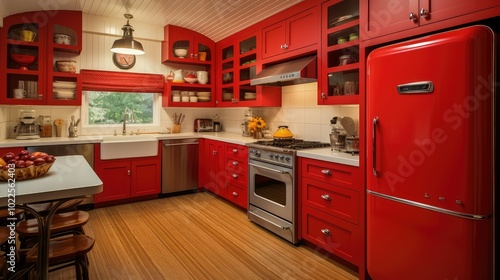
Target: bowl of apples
{"type": "Point", "coordinates": [24, 165]}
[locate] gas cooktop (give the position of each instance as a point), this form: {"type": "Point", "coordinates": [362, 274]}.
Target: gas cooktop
{"type": "Point", "coordinates": [291, 143]}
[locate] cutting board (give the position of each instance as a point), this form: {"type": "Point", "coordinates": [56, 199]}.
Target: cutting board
{"type": "Point", "coordinates": [59, 124]}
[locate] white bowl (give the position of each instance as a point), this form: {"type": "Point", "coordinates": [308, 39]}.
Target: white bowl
{"type": "Point", "coordinates": [193, 99]}
{"type": "Point", "coordinates": [185, 98]}
{"type": "Point", "coordinates": [203, 94]}
{"type": "Point", "coordinates": [180, 52]}
{"type": "Point", "coordinates": [66, 66]}
{"type": "Point", "coordinates": [176, 98]}
{"type": "Point", "coordinates": [192, 93]}
{"type": "Point", "coordinates": [63, 39]}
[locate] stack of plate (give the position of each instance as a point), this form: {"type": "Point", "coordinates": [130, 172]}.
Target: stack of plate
{"type": "Point", "coordinates": [64, 89]}
{"type": "Point", "coordinates": [226, 96]}
{"type": "Point", "coordinates": [203, 96]}
{"type": "Point", "coordinates": [250, 96]}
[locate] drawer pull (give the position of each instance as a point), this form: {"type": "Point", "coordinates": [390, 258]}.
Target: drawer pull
{"type": "Point", "coordinates": [235, 163]}
{"type": "Point", "coordinates": [326, 197]}
{"type": "Point", "coordinates": [235, 176]}
{"type": "Point", "coordinates": [235, 151]}
{"type": "Point", "coordinates": [235, 194]}
{"type": "Point", "coordinates": [326, 172]}
{"type": "Point", "coordinates": [326, 232]}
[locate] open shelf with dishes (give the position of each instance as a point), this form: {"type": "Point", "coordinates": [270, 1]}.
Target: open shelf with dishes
{"type": "Point", "coordinates": [192, 55]}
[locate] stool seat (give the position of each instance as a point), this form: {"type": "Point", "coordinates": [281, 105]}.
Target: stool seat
{"type": "Point", "coordinates": [64, 248]}
{"type": "Point", "coordinates": [4, 235]}
{"type": "Point", "coordinates": [60, 222]}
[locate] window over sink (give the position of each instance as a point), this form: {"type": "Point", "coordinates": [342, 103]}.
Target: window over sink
{"type": "Point", "coordinates": [109, 108]}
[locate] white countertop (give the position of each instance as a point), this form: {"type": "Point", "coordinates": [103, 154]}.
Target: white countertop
{"type": "Point", "coordinates": [69, 176]}
{"type": "Point", "coordinates": [235, 138]}
{"type": "Point", "coordinates": [326, 154]}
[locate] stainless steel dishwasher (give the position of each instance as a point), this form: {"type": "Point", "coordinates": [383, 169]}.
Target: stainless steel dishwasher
{"type": "Point", "coordinates": [179, 166]}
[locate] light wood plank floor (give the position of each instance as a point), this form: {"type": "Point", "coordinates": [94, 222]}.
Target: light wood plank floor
{"type": "Point", "coordinates": [194, 236]}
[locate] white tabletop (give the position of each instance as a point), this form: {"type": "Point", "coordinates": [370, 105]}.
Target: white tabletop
{"type": "Point", "coordinates": [69, 176]}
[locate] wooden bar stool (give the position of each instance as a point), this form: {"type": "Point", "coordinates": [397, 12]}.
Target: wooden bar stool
{"type": "Point", "coordinates": [62, 224]}
{"type": "Point", "coordinates": [66, 251]}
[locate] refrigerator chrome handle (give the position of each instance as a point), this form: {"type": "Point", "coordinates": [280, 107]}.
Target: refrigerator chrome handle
{"type": "Point", "coordinates": [374, 146]}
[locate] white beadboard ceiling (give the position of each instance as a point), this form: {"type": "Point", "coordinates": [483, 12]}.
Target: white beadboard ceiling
{"type": "Point", "coordinates": [216, 19]}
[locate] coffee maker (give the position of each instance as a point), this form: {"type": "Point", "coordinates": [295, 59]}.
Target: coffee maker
{"type": "Point", "coordinates": [27, 128]}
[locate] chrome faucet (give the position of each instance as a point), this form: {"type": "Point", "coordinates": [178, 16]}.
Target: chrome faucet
{"type": "Point", "coordinates": [127, 113]}
{"type": "Point", "coordinates": [124, 130]}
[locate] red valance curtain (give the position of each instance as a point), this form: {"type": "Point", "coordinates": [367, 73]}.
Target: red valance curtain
{"type": "Point", "coordinates": [121, 82]}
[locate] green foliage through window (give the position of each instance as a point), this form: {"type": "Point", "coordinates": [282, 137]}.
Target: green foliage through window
{"type": "Point", "coordinates": [109, 107]}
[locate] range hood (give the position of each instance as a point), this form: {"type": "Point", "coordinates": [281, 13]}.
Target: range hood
{"type": "Point", "coordinates": [298, 71]}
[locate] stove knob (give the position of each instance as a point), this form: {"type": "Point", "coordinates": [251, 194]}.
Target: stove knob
{"type": "Point", "coordinates": [271, 155]}
{"type": "Point", "coordinates": [287, 159]}
{"type": "Point", "coordinates": [282, 158]}
{"type": "Point", "coordinates": [276, 157]}
{"type": "Point", "coordinates": [257, 153]}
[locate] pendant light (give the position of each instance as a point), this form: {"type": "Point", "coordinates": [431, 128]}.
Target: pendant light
{"type": "Point", "coordinates": [127, 44]}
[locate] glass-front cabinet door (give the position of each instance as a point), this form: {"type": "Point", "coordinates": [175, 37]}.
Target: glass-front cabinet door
{"type": "Point", "coordinates": [340, 53]}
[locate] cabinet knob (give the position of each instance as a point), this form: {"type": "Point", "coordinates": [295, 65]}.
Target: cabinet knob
{"type": "Point", "coordinates": [323, 95]}
{"type": "Point", "coordinates": [326, 232]}
{"type": "Point", "coordinates": [235, 163]}
{"type": "Point", "coordinates": [282, 47]}
{"type": "Point", "coordinates": [128, 172]}
{"type": "Point", "coordinates": [326, 197]}
{"type": "Point", "coordinates": [235, 194]}
{"type": "Point", "coordinates": [424, 13]}
{"type": "Point", "coordinates": [235, 151]}
{"type": "Point", "coordinates": [285, 46]}
{"type": "Point", "coordinates": [235, 176]}
{"type": "Point", "coordinates": [214, 153]}
{"type": "Point", "coordinates": [326, 172]}
{"type": "Point", "coordinates": [413, 17]}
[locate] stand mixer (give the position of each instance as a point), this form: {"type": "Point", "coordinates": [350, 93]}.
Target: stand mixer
{"type": "Point", "coordinates": [27, 128]}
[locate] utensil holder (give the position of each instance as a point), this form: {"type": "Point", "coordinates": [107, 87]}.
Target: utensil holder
{"type": "Point", "coordinates": [176, 128]}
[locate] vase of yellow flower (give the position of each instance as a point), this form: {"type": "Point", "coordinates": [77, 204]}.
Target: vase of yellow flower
{"type": "Point", "coordinates": [255, 125]}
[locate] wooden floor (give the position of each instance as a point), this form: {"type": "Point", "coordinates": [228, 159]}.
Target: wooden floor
{"type": "Point", "coordinates": [194, 236]}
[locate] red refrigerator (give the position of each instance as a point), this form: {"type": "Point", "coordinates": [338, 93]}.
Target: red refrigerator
{"type": "Point", "coordinates": [430, 159]}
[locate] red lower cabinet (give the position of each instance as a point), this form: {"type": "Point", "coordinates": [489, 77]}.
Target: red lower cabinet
{"type": "Point", "coordinates": [332, 206]}
{"type": "Point", "coordinates": [224, 170]}
{"type": "Point", "coordinates": [126, 179]}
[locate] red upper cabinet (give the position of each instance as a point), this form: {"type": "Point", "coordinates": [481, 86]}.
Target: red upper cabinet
{"type": "Point", "coordinates": [238, 61]}
{"type": "Point", "coordinates": [341, 61]}
{"type": "Point", "coordinates": [293, 36]}
{"type": "Point", "coordinates": [381, 17]}
{"type": "Point", "coordinates": [33, 33]}
{"type": "Point", "coordinates": [183, 45]}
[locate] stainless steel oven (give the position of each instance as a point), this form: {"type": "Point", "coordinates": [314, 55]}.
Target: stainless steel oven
{"type": "Point", "coordinates": [271, 198]}
{"type": "Point", "coordinates": [272, 194]}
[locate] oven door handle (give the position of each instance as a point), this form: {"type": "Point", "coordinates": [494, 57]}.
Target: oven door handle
{"type": "Point", "coordinates": [269, 169]}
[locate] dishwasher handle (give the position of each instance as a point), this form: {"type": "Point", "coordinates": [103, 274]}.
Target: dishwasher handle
{"type": "Point", "coordinates": [179, 144]}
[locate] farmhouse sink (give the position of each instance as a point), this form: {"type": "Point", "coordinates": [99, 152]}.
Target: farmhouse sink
{"type": "Point", "coordinates": [128, 146]}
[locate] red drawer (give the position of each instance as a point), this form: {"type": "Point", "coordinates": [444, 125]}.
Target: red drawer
{"type": "Point", "coordinates": [331, 234]}
{"type": "Point", "coordinates": [236, 165]}
{"type": "Point", "coordinates": [339, 174]}
{"type": "Point", "coordinates": [237, 195]}
{"type": "Point", "coordinates": [237, 152]}
{"type": "Point", "coordinates": [240, 179]}
{"type": "Point", "coordinates": [334, 200]}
